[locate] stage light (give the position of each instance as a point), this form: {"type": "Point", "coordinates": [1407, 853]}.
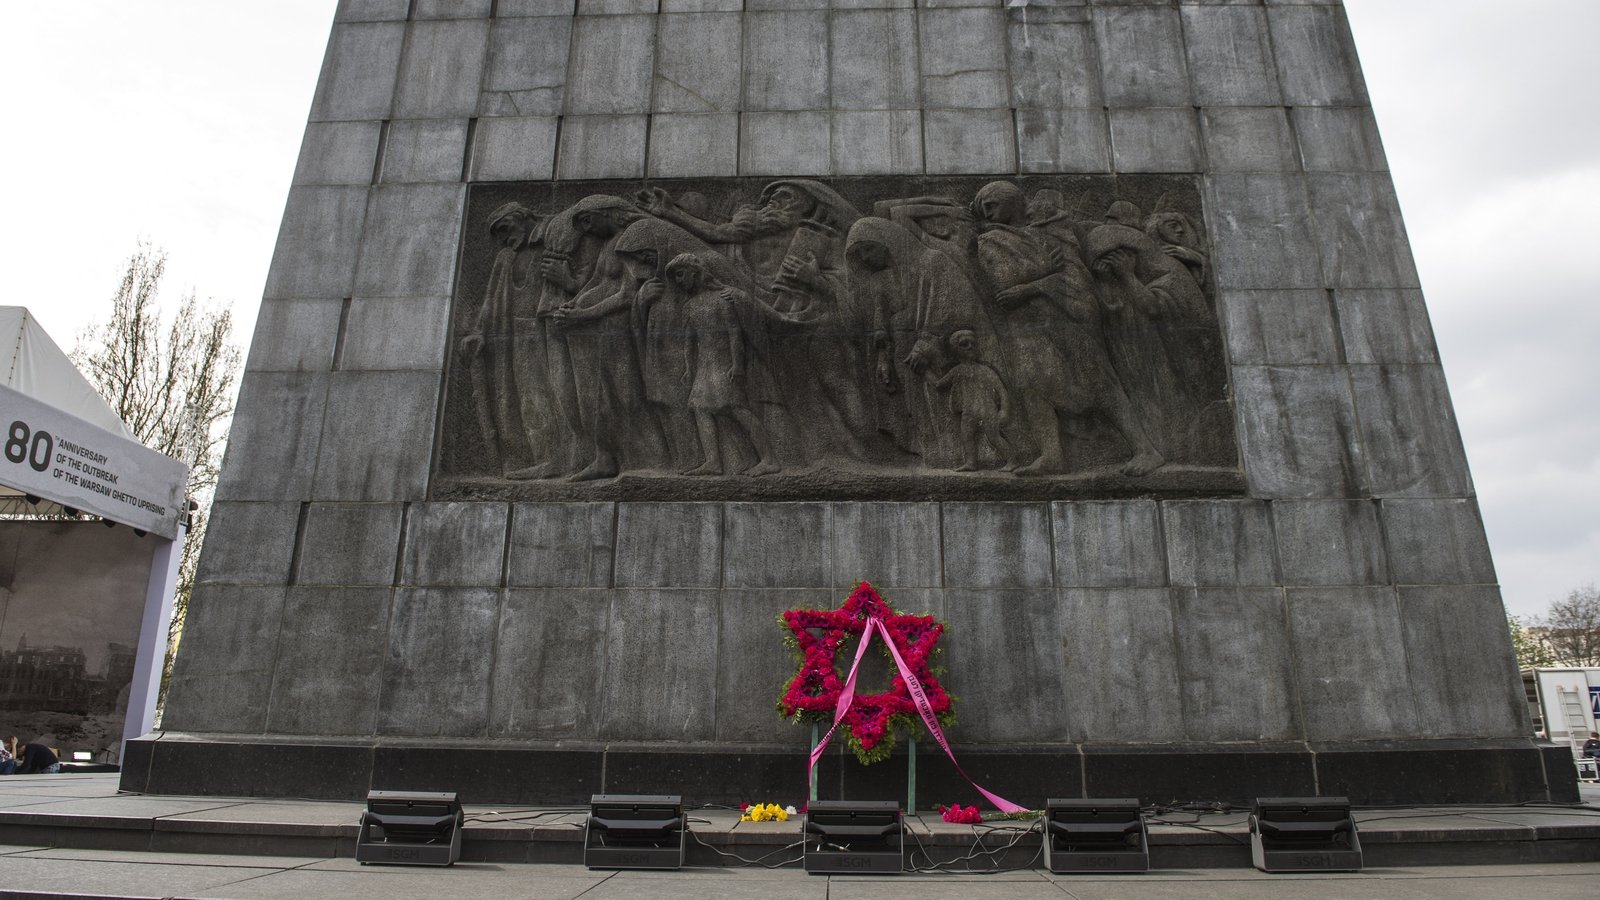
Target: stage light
{"type": "Point", "coordinates": [82, 756]}
{"type": "Point", "coordinates": [1304, 834]}
{"type": "Point", "coordinates": [1095, 836]}
{"type": "Point", "coordinates": [410, 829]}
{"type": "Point", "coordinates": [635, 831]}
{"type": "Point", "coordinates": [854, 837]}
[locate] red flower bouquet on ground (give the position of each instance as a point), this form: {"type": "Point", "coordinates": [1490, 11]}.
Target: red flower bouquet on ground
{"type": "Point", "coordinates": [872, 721]}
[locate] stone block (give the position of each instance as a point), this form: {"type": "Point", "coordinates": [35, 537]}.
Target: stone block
{"type": "Point", "coordinates": [874, 62]}
{"type": "Point", "coordinates": [395, 333]}
{"type": "Point", "coordinates": [1063, 140]}
{"type": "Point", "coordinates": [615, 7]}
{"type": "Point", "coordinates": [877, 142]}
{"type": "Point", "coordinates": [1261, 232]}
{"type": "Point", "coordinates": [1451, 633]}
{"type": "Point", "coordinates": [1121, 664]}
{"type": "Point", "coordinates": [377, 436]}
{"type": "Point", "coordinates": [272, 445]}
{"type": "Point", "coordinates": [527, 73]}
{"type": "Point", "coordinates": [424, 149]}
{"type": "Point", "coordinates": [549, 658]}
{"type": "Point", "coordinates": [506, 9]}
{"type": "Point", "coordinates": [892, 545]}
{"type": "Point", "coordinates": [408, 244]}
{"type": "Point", "coordinates": [1156, 140]}
{"type": "Point", "coordinates": [1218, 543]}
{"type": "Point", "coordinates": [435, 670]}
{"type": "Point", "coordinates": [1028, 626]}
{"type": "Point", "coordinates": [455, 544]}
{"type": "Point", "coordinates": [1054, 65]}
{"type": "Point", "coordinates": [514, 149]}
{"type": "Point", "coordinates": [1436, 542]}
{"type": "Point", "coordinates": [669, 545]}
{"type": "Point", "coordinates": [694, 6]}
{"type": "Point", "coordinates": [1350, 664]}
{"type": "Point", "coordinates": [601, 147]}
{"type": "Point", "coordinates": [442, 69]}
{"type": "Point", "coordinates": [1108, 544]}
{"type": "Point", "coordinates": [612, 61]}
{"type": "Point", "coordinates": [316, 250]}
{"type": "Point", "coordinates": [997, 545]}
{"type": "Point", "coordinates": [294, 336]}
{"type": "Point", "coordinates": [784, 143]}
{"type": "Point", "coordinates": [748, 684]}
{"type": "Point", "coordinates": [697, 62]}
{"type": "Point", "coordinates": [1230, 56]}
{"type": "Point", "coordinates": [372, 11]}
{"type": "Point", "coordinates": [1299, 431]}
{"type": "Point", "coordinates": [654, 689]}
{"type": "Point", "coordinates": [561, 545]}
{"type": "Point", "coordinates": [338, 153]}
{"type": "Point", "coordinates": [963, 65]}
{"type": "Point", "coordinates": [330, 662]}
{"type": "Point", "coordinates": [230, 643]}
{"type": "Point", "coordinates": [1141, 56]}
{"type": "Point", "coordinates": [774, 545]}
{"type": "Point", "coordinates": [1249, 139]}
{"type": "Point", "coordinates": [359, 72]}
{"type": "Point", "coordinates": [1234, 667]}
{"type": "Point", "coordinates": [1385, 326]}
{"type": "Point", "coordinates": [786, 60]}
{"type": "Point", "coordinates": [248, 543]}
{"type": "Point", "coordinates": [349, 544]}
{"type": "Point", "coordinates": [969, 141]}
{"type": "Point", "coordinates": [452, 9]}
{"type": "Point", "coordinates": [1408, 430]}
{"type": "Point", "coordinates": [1338, 139]}
{"type": "Point", "coordinates": [1316, 58]}
{"type": "Point", "coordinates": [685, 146]}
{"type": "Point", "coordinates": [1358, 225]}
{"type": "Point", "coordinates": [1266, 328]}
{"type": "Point", "coordinates": [1329, 542]}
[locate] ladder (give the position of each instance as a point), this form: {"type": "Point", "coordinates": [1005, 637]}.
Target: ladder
{"type": "Point", "coordinates": [1574, 711]}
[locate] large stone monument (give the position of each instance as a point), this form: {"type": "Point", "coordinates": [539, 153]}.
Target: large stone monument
{"type": "Point", "coordinates": [596, 337]}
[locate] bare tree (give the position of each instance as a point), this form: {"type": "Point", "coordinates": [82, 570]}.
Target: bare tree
{"type": "Point", "coordinates": [173, 383]}
{"type": "Point", "coordinates": [1571, 628]}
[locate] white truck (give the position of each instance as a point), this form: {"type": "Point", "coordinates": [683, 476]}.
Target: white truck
{"type": "Point", "coordinates": [1565, 707]}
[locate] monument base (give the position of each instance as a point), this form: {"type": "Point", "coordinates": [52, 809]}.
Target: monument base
{"type": "Point", "coordinates": [1369, 773]}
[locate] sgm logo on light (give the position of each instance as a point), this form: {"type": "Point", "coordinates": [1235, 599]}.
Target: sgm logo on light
{"type": "Point", "coordinates": [397, 853]}
{"type": "Point", "coordinates": [855, 862]}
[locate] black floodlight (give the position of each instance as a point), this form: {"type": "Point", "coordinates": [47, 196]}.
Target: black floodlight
{"type": "Point", "coordinates": [1304, 834]}
{"type": "Point", "coordinates": [845, 837]}
{"type": "Point", "coordinates": [410, 829]}
{"type": "Point", "coordinates": [1095, 836]}
{"type": "Point", "coordinates": [635, 831]}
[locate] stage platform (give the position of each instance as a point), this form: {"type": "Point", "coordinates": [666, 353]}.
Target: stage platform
{"type": "Point", "coordinates": [87, 812]}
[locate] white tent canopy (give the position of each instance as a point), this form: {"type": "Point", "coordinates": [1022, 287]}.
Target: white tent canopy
{"type": "Point", "coordinates": [31, 363]}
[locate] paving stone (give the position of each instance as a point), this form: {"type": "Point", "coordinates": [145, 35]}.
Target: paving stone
{"type": "Point", "coordinates": [969, 141]}
{"type": "Point", "coordinates": [669, 545]}
{"type": "Point", "coordinates": [1121, 664]}
{"type": "Point", "coordinates": [359, 72]}
{"type": "Point", "coordinates": [349, 544]}
{"type": "Point", "coordinates": [774, 545]}
{"type": "Point", "coordinates": [1141, 56]}
{"type": "Point", "coordinates": [1329, 542]}
{"type": "Point", "coordinates": [877, 142]}
{"type": "Point", "coordinates": [697, 62]}
{"type": "Point", "coordinates": [1108, 544]}
{"type": "Point", "coordinates": [231, 635]}
{"type": "Point", "coordinates": [963, 66]}
{"type": "Point", "coordinates": [1350, 663]}
{"type": "Point", "coordinates": [786, 60]}
{"type": "Point", "coordinates": [272, 444]}
{"type": "Point", "coordinates": [1409, 432]}
{"type": "Point", "coordinates": [601, 147]}
{"type": "Point", "coordinates": [549, 663]}
{"type": "Point", "coordinates": [454, 544]}
{"type": "Point", "coordinates": [435, 670]}
{"type": "Point", "coordinates": [1299, 431]}
{"type": "Point", "coordinates": [1230, 55]}
{"type": "Point", "coordinates": [653, 689]}
{"type": "Point", "coordinates": [874, 62]}
{"type": "Point", "coordinates": [561, 545]}
{"type": "Point", "coordinates": [1436, 542]}
{"type": "Point", "coordinates": [1063, 140]}
{"type": "Point", "coordinates": [1234, 665]}
{"type": "Point", "coordinates": [1156, 140]}
{"type": "Point", "coordinates": [338, 153]}
{"type": "Point", "coordinates": [442, 69]}
{"type": "Point", "coordinates": [612, 61]}
{"type": "Point", "coordinates": [1265, 328]}
{"type": "Point", "coordinates": [892, 545]}
{"type": "Point", "coordinates": [408, 244]}
{"type": "Point", "coordinates": [997, 545]}
{"type": "Point", "coordinates": [527, 68]}
{"type": "Point", "coordinates": [330, 664]}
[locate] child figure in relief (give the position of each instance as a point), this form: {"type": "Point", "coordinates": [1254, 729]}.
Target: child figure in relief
{"type": "Point", "coordinates": [717, 364]}
{"type": "Point", "coordinates": [979, 402]}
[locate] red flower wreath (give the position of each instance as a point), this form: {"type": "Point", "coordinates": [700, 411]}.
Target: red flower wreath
{"type": "Point", "coordinates": [872, 720]}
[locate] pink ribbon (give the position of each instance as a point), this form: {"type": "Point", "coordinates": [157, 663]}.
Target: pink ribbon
{"type": "Point", "coordinates": [918, 696]}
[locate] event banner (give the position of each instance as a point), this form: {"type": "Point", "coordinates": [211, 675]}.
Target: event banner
{"type": "Point", "coordinates": [60, 457]}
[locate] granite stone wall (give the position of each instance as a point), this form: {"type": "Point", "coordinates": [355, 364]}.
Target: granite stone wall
{"type": "Point", "coordinates": [1345, 603]}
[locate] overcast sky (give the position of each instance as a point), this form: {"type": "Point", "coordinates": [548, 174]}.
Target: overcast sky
{"type": "Point", "coordinates": [179, 121]}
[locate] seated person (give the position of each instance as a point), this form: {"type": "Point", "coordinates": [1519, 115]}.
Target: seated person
{"type": "Point", "coordinates": [1591, 747]}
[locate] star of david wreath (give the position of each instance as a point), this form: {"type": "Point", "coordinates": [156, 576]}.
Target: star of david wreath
{"type": "Point", "coordinates": [872, 721]}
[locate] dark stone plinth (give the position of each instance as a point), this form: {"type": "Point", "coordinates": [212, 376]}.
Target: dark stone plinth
{"type": "Point", "coordinates": [1371, 774]}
